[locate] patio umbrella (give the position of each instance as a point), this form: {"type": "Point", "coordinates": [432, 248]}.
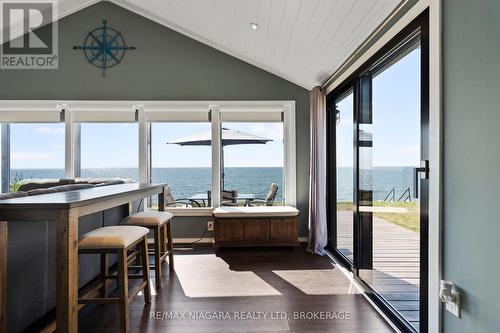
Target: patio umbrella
{"type": "Point", "coordinates": [229, 138]}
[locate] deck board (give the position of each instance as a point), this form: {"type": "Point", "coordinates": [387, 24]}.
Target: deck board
{"type": "Point", "coordinates": [396, 263]}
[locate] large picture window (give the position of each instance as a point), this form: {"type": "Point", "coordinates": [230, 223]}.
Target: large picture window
{"type": "Point", "coordinates": [209, 154]}
{"type": "Point", "coordinates": [109, 150]}
{"type": "Point", "coordinates": [36, 152]}
{"type": "Point", "coordinates": [181, 157]}
{"type": "Point", "coordinates": [253, 163]}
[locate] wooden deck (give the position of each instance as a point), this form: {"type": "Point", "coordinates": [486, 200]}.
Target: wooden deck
{"type": "Point", "coordinates": [396, 263]}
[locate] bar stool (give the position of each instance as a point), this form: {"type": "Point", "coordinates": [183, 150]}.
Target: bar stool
{"type": "Point", "coordinates": [119, 240]}
{"type": "Point", "coordinates": [160, 223]}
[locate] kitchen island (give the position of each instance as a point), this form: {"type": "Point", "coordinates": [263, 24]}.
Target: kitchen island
{"type": "Point", "coordinates": [64, 209]}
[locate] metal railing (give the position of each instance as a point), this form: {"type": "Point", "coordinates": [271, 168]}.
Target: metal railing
{"type": "Point", "coordinates": [391, 196]}
{"type": "Point", "coordinates": [406, 195]}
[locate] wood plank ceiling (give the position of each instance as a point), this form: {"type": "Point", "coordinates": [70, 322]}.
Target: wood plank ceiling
{"type": "Point", "coordinates": [303, 41]}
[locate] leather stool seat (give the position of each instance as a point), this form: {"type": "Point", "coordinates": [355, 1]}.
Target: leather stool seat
{"type": "Point", "coordinates": [113, 237]}
{"type": "Point", "coordinates": [147, 219]}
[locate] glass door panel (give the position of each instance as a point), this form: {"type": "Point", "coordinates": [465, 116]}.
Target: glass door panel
{"type": "Point", "coordinates": [344, 174]}
{"type": "Point", "coordinates": [389, 144]}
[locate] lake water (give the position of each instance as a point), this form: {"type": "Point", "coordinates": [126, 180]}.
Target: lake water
{"type": "Point", "coordinates": [381, 180]}
{"type": "Point", "coordinates": [186, 182]}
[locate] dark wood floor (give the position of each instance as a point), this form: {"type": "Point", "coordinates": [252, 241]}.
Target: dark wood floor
{"type": "Point", "coordinates": [287, 282]}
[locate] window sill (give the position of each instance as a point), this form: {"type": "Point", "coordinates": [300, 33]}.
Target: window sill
{"type": "Point", "coordinates": [190, 211]}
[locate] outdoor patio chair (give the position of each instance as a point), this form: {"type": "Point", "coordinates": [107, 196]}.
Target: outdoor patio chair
{"type": "Point", "coordinates": [268, 201]}
{"type": "Point", "coordinates": [228, 197]}
{"type": "Point", "coordinates": [170, 201]}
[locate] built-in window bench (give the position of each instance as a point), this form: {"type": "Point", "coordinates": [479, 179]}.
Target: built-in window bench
{"type": "Point", "coordinates": [256, 226]}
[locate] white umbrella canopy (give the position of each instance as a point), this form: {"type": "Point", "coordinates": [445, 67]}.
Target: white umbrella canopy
{"type": "Point", "coordinates": [229, 137]}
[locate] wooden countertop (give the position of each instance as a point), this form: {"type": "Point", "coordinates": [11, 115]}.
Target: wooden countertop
{"type": "Point", "coordinates": [78, 198]}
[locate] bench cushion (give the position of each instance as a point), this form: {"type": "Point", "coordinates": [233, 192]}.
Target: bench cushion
{"type": "Point", "coordinates": [102, 181]}
{"type": "Point", "coordinates": [61, 188]}
{"type": "Point", "coordinates": [260, 211]}
{"type": "Point", "coordinates": [35, 184]}
{"type": "Point", "coordinates": [114, 237]}
{"type": "Point", "coordinates": [150, 218]}
{"type": "Point", "coordinates": [12, 195]}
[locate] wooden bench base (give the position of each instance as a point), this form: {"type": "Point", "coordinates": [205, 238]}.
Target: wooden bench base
{"type": "Point", "coordinates": [255, 231]}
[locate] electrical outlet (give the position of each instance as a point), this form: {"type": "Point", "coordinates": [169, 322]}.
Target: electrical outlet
{"type": "Point", "coordinates": [454, 307]}
{"type": "Point", "coordinates": [210, 225]}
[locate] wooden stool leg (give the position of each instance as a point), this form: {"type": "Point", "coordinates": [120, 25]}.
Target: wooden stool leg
{"type": "Point", "coordinates": [170, 245]}
{"type": "Point", "coordinates": [165, 235]}
{"type": "Point", "coordinates": [104, 273]}
{"type": "Point", "coordinates": [137, 260]}
{"type": "Point", "coordinates": [123, 289]}
{"type": "Point", "coordinates": [145, 270]}
{"type": "Point", "coordinates": [163, 239]}
{"type": "Point", "coordinates": [157, 249]}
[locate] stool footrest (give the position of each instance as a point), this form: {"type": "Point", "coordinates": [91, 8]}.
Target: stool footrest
{"type": "Point", "coordinates": [136, 291]}
{"type": "Point", "coordinates": [112, 300]}
{"type": "Point", "coordinates": [151, 267]}
{"type": "Point", "coordinates": [130, 276]}
{"type": "Point", "coordinates": [152, 253]}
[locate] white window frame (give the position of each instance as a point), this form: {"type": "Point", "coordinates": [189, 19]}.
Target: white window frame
{"type": "Point", "coordinates": [261, 111]}
{"type": "Point", "coordinates": [73, 113]}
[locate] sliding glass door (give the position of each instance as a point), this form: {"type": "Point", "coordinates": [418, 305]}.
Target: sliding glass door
{"type": "Point", "coordinates": [344, 124]}
{"type": "Point", "coordinates": [379, 220]}
{"type": "Point", "coordinates": [389, 152]}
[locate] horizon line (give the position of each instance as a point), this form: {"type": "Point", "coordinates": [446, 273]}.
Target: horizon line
{"type": "Point", "coordinates": [126, 167]}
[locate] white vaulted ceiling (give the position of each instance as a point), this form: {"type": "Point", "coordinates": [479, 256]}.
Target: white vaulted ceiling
{"type": "Point", "coordinates": [303, 41]}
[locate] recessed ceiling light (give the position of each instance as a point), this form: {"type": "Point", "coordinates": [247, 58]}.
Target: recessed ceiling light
{"type": "Point", "coordinates": [254, 26]}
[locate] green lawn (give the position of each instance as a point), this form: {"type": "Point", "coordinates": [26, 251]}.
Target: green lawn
{"type": "Point", "coordinates": [409, 220]}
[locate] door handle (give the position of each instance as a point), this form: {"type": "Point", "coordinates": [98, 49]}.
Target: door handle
{"type": "Point", "coordinates": [424, 170]}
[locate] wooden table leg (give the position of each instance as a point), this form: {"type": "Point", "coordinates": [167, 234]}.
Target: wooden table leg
{"type": "Point", "coordinates": [3, 276]}
{"type": "Point", "coordinates": [67, 271]}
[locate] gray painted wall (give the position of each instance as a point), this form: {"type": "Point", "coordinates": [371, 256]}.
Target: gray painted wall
{"type": "Point", "coordinates": [165, 66]}
{"type": "Point", "coordinates": [471, 37]}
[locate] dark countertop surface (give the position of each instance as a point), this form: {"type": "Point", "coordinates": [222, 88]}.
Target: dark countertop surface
{"type": "Point", "coordinates": [82, 197]}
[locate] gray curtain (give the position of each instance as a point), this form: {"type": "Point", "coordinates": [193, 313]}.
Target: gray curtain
{"type": "Point", "coordinates": [317, 192]}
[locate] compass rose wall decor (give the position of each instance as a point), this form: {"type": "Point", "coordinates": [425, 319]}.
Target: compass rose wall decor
{"type": "Point", "coordinates": [104, 47]}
